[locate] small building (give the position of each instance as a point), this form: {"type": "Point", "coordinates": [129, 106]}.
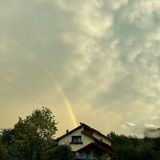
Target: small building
{"type": "Point", "coordinates": [87, 142]}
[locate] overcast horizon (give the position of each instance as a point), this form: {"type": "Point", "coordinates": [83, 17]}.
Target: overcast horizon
{"type": "Point", "coordinates": [100, 57]}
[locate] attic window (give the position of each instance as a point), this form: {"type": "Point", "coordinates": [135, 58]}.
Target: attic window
{"type": "Point", "coordinates": [76, 140]}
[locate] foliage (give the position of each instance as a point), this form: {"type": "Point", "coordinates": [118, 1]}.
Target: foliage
{"type": "Point", "coordinates": [6, 137]}
{"type": "Point", "coordinates": [62, 153]}
{"type": "Point", "coordinates": [4, 153]}
{"type": "Point", "coordinates": [133, 148]}
{"type": "Point", "coordinates": [30, 136]}
{"type": "Point", "coordinates": [41, 123]}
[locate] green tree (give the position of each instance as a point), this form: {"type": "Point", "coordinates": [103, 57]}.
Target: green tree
{"type": "Point", "coordinates": [30, 136]}
{"type": "Point", "coordinates": [62, 152]}
{"type": "Point", "coordinates": [4, 153]}
{"type": "Point", "coordinates": [7, 135]}
{"type": "Point", "coordinates": [41, 123]}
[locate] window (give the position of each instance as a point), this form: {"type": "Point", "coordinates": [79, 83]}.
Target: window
{"type": "Point", "coordinates": [76, 140]}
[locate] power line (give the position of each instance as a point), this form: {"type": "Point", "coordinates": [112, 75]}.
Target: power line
{"type": "Point", "coordinates": [20, 90]}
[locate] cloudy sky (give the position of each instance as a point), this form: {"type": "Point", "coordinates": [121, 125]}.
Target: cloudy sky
{"type": "Point", "coordinates": [103, 56]}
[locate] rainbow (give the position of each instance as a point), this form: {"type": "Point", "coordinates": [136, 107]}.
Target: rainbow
{"type": "Point", "coordinates": [52, 76]}
{"type": "Point", "coordinates": [70, 109]}
{"type": "Point", "coordinates": [67, 102]}
{"type": "Point", "coordinates": [69, 106]}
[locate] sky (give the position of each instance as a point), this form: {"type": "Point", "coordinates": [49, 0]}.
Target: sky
{"type": "Point", "coordinates": [91, 61]}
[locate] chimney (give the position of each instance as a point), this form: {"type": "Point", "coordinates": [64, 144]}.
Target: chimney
{"type": "Point", "coordinates": [67, 131]}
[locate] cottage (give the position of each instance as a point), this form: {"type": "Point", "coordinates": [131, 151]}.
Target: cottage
{"type": "Point", "coordinates": [86, 141]}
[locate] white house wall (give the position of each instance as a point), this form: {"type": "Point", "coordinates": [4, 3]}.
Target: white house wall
{"type": "Point", "coordinates": [67, 139]}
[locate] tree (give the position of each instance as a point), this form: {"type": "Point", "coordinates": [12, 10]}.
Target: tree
{"type": "Point", "coordinates": [6, 137]}
{"type": "Point", "coordinates": [62, 152]}
{"type": "Point", "coordinates": [3, 153]}
{"type": "Point", "coordinates": [133, 148]}
{"type": "Point", "coordinates": [40, 122]}
{"type": "Point", "coordinates": [30, 136]}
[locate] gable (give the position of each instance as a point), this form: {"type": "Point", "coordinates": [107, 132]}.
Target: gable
{"type": "Point", "coordinates": [67, 140]}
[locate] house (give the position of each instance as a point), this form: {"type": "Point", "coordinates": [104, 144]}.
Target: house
{"type": "Point", "coordinates": [86, 141]}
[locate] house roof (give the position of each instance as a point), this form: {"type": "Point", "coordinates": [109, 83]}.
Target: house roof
{"type": "Point", "coordinates": [92, 130]}
{"type": "Point", "coordinates": [68, 133]}
{"type": "Point", "coordinates": [96, 131]}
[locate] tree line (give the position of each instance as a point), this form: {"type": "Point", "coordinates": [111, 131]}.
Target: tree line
{"type": "Point", "coordinates": [134, 148]}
